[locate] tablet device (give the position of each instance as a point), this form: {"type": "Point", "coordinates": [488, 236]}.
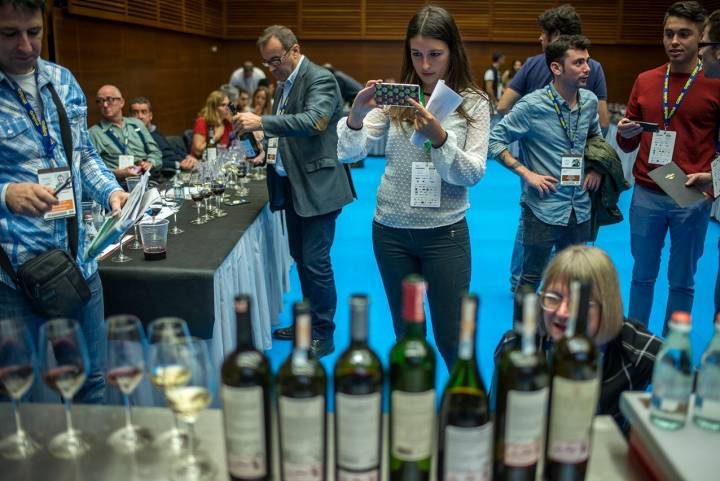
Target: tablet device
{"type": "Point", "coordinates": [672, 180]}
{"type": "Point", "coordinates": [397, 94]}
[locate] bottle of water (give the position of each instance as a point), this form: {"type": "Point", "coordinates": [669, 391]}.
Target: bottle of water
{"type": "Point", "coordinates": [672, 376]}
{"type": "Point", "coordinates": [707, 396]}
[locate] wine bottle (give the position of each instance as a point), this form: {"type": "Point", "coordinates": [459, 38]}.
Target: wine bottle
{"type": "Point", "coordinates": [246, 395]}
{"type": "Point", "coordinates": [358, 402]}
{"type": "Point", "coordinates": [707, 396]}
{"type": "Point", "coordinates": [301, 389]}
{"type": "Point", "coordinates": [249, 144]}
{"type": "Point", "coordinates": [672, 376]}
{"type": "Point", "coordinates": [522, 400]}
{"type": "Point", "coordinates": [211, 148]}
{"type": "Point", "coordinates": [574, 393]}
{"type": "Point", "coordinates": [412, 391]}
{"type": "Point", "coordinates": [465, 439]}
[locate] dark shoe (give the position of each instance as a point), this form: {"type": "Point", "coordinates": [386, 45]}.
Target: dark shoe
{"type": "Point", "coordinates": [284, 333]}
{"type": "Point", "coordinates": [322, 347]}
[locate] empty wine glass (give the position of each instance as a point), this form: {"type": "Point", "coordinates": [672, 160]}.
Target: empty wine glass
{"type": "Point", "coordinates": [64, 362]}
{"type": "Point", "coordinates": [178, 193]}
{"type": "Point", "coordinates": [187, 400]}
{"type": "Point", "coordinates": [166, 369]}
{"type": "Point", "coordinates": [126, 352]}
{"type": "Point", "coordinates": [17, 372]}
{"type": "Point", "coordinates": [121, 257]}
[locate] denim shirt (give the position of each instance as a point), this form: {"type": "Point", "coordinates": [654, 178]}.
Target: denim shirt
{"type": "Point", "coordinates": [535, 124]}
{"type": "Point", "coordinates": [22, 154]}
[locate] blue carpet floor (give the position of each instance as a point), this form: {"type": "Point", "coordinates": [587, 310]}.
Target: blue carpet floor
{"type": "Point", "coordinates": [492, 218]}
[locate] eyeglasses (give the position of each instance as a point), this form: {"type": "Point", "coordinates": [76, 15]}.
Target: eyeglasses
{"type": "Point", "coordinates": [551, 301]}
{"type": "Point", "coordinates": [107, 100]}
{"type": "Point", "coordinates": [275, 61]}
{"type": "Point", "coordinates": [702, 45]}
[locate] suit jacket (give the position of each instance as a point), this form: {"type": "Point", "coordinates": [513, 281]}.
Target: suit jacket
{"type": "Point", "coordinates": [307, 142]}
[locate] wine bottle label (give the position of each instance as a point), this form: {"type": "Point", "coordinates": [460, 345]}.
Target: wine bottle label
{"type": "Point", "coordinates": [359, 427]}
{"type": "Point", "coordinates": [412, 424]}
{"type": "Point", "coordinates": [370, 475]}
{"type": "Point", "coordinates": [244, 414]}
{"type": "Point", "coordinates": [572, 409]}
{"type": "Point", "coordinates": [302, 428]}
{"type": "Point", "coordinates": [524, 426]}
{"type": "Point", "coordinates": [211, 154]}
{"type": "Point", "coordinates": [467, 453]}
{"type": "Point", "coordinates": [671, 389]}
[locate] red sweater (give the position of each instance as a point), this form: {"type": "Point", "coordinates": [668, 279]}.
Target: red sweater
{"type": "Point", "coordinates": [696, 121]}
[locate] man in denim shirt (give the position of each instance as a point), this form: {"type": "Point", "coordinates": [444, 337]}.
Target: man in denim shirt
{"type": "Point", "coordinates": [552, 125]}
{"type": "Point", "coordinates": [24, 234]}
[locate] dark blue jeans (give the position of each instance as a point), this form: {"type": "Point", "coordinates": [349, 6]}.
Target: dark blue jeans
{"type": "Point", "coordinates": [91, 317]}
{"type": "Point", "coordinates": [540, 238]}
{"type": "Point", "coordinates": [310, 240]}
{"type": "Point", "coordinates": [442, 256]}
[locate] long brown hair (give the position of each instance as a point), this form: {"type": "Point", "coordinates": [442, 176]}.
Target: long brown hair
{"type": "Point", "coordinates": [435, 22]}
{"type": "Point", "coordinates": [267, 109]}
{"type": "Point", "coordinates": [210, 110]}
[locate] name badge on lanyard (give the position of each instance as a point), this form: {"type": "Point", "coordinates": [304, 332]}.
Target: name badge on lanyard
{"type": "Point", "coordinates": [125, 161]}
{"type": "Point", "coordinates": [716, 175]}
{"type": "Point", "coordinates": [662, 146]}
{"type": "Point", "coordinates": [271, 155]}
{"type": "Point", "coordinates": [425, 187]}
{"type": "Point", "coordinates": [60, 181]}
{"type": "Point", "coordinates": [571, 170]}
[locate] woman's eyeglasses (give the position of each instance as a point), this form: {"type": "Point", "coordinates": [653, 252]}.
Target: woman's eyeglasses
{"type": "Point", "coordinates": [551, 302]}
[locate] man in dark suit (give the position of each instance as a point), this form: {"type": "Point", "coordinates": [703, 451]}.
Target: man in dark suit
{"type": "Point", "coordinates": [305, 177]}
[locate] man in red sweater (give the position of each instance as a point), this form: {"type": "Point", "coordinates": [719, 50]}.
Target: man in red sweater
{"type": "Point", "coordinates": [688, 119]}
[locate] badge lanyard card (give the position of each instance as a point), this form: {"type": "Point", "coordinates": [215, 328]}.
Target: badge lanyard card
{"type": "Point", "coordinates": [571, 164]}
{"type": "Point", "coordinates": [663, 142]}
{"type": "Point", "coordinates": [125, 160]}
{"type": "Point", "coordinates": [271, 155]}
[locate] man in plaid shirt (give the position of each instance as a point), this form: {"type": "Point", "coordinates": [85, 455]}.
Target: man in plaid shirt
{"type": "Point", "coordinates": [24, 150]}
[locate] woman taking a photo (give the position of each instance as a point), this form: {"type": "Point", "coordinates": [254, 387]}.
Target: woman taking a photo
{"type": "Point", "coordinates": [215, 114]}
{"type": "Point", "coordinates": [426, 236]}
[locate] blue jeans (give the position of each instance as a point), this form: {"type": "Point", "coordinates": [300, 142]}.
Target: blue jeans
{"type": "Point", "coordinates": [442, 256]}
{"type": "Point", "coordinates": [540, 238]}
{"type": "Point", "coordinates": [717, 284]}
{"type": "Point", "coordinates": [517, 257]}
{"type": "Point", "coordinates": [652, 214]}
{"type": "Point", "coordinates": [310, 240]}
{"type": "Point", "coordinates": [92, 322]}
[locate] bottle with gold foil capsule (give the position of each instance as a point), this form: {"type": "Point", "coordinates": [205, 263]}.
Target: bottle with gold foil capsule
{"type": "Point", "coordinates": [672, 376]}
{"type": "Point", "coordinates": [412, 391]}
{"type": "Point", "coordinates": [465, 437]}
{"type": "Point", "coordinates": [301, 392]}
{"type": "Point", "coordinates": [522, 400]}
{"type": "Point", "coordinates": [358, 402]}
{"type": "Point", "coordinates": [246, 395]}
{"type": "Point", "coordinates": [574, 393]}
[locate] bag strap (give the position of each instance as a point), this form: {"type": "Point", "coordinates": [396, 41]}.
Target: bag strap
{"type": "Point", "coordinates": [71, 223]}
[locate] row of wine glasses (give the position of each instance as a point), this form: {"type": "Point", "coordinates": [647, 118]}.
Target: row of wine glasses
{"type": "Point", "coordinates": [177, 364]}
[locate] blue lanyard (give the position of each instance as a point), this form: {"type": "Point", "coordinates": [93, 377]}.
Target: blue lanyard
{"type": "Point", "coordinates": [37, 120]}
{"type": "Point", "coordinates": [564, 124]}
{"type": "Point", "coordinates": [667, 113]}
{"type": "Point", "coordinates": [116, 141]}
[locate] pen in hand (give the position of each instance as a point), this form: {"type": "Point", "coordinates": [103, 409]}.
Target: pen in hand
{"type": "Point", "coordinates": [62, 186]}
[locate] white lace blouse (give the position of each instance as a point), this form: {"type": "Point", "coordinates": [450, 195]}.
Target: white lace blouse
{"type": "Point", "coordinates": [460, 162]}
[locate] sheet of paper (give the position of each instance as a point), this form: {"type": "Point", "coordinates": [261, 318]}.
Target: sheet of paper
{"type": "Point", "coordinates": [443, 102]}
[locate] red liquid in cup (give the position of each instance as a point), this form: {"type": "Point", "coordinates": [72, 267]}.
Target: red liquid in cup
{"type": "Point", "coordinates": [155, 253]}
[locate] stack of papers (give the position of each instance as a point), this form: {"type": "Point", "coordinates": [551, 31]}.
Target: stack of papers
{"type": "Point", "coordinates": [442, 103]}
{"type": "Point", "coordinates": [115, 226]}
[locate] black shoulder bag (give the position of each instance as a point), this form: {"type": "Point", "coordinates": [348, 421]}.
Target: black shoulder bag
{"type": "Point", "coordinates": [52, 281]}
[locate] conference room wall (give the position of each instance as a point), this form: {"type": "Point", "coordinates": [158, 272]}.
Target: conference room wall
{"type": "Point", "coordinates": [177, 70]}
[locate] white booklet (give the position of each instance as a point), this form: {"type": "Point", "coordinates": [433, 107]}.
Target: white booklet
{"type": "Point", "coordinates": [133, 210]}
{"type": "Point", "coordinates": [442, 103]}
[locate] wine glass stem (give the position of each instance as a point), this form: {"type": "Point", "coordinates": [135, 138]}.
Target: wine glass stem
{"type": "Point", "coordinates": [191, 441]}
{"type": "Point", "coordinates": [128, 413]}
{"type": "Point", "coordinates": [18, 423]}
{"type": "Point", "coordinates": [68, 417]}
{"type": "Point", "coordinates": [121, 245]}
{"type": "Point", "coordinates": [198, 209]}
{"type": "Point", "coordinates": [175, 219]}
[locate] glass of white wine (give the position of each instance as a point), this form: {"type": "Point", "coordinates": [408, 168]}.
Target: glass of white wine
{"type": "Point", "coordinates": [165, 369]}
{"type": "Point", "coordinates": [64, 362]}
{"type": "Point", "coordinates": [126, 352]}
{"type": "Point", "coordinates": [17, 372]}
{"type": "Point", "coordinates": [187, 400]}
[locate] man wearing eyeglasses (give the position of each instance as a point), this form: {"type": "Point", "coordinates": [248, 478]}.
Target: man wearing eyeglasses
{"type": "Point", "coordinates": [305, 178]}
{"type": "Point", "coordinates": [33, 93]}
{"type": "Point", "coordinates": [684, 104]}
{"type": "Point", "coordinates": [124, 143]}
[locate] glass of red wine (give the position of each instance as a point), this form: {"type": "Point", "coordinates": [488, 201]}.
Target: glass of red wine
{"type": "Point", "coordinates": [197, 196]}
{"type": "Point", "coordinates": [218, 190]}
{"type": "Point", "coordinates": [17, 372]}
{"type": "Point", "coordinates": [64, 364]}
{"type": "Point", "coordinates": [125, 363]}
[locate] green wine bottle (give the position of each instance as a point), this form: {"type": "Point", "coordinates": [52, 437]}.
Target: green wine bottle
{"type": "Point", "coordinates": [412, 391]}
{"type": "Point", "coordinates": [465, 438]}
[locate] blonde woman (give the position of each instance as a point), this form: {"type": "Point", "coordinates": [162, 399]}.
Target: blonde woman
{"type": "Point", "coordinates": [215, 114]}
{"type": "Point", "coordinates": [628, 348]}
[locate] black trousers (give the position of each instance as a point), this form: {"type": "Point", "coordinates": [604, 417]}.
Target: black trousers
{"type": "Point", "coordinates": [442, 256]}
